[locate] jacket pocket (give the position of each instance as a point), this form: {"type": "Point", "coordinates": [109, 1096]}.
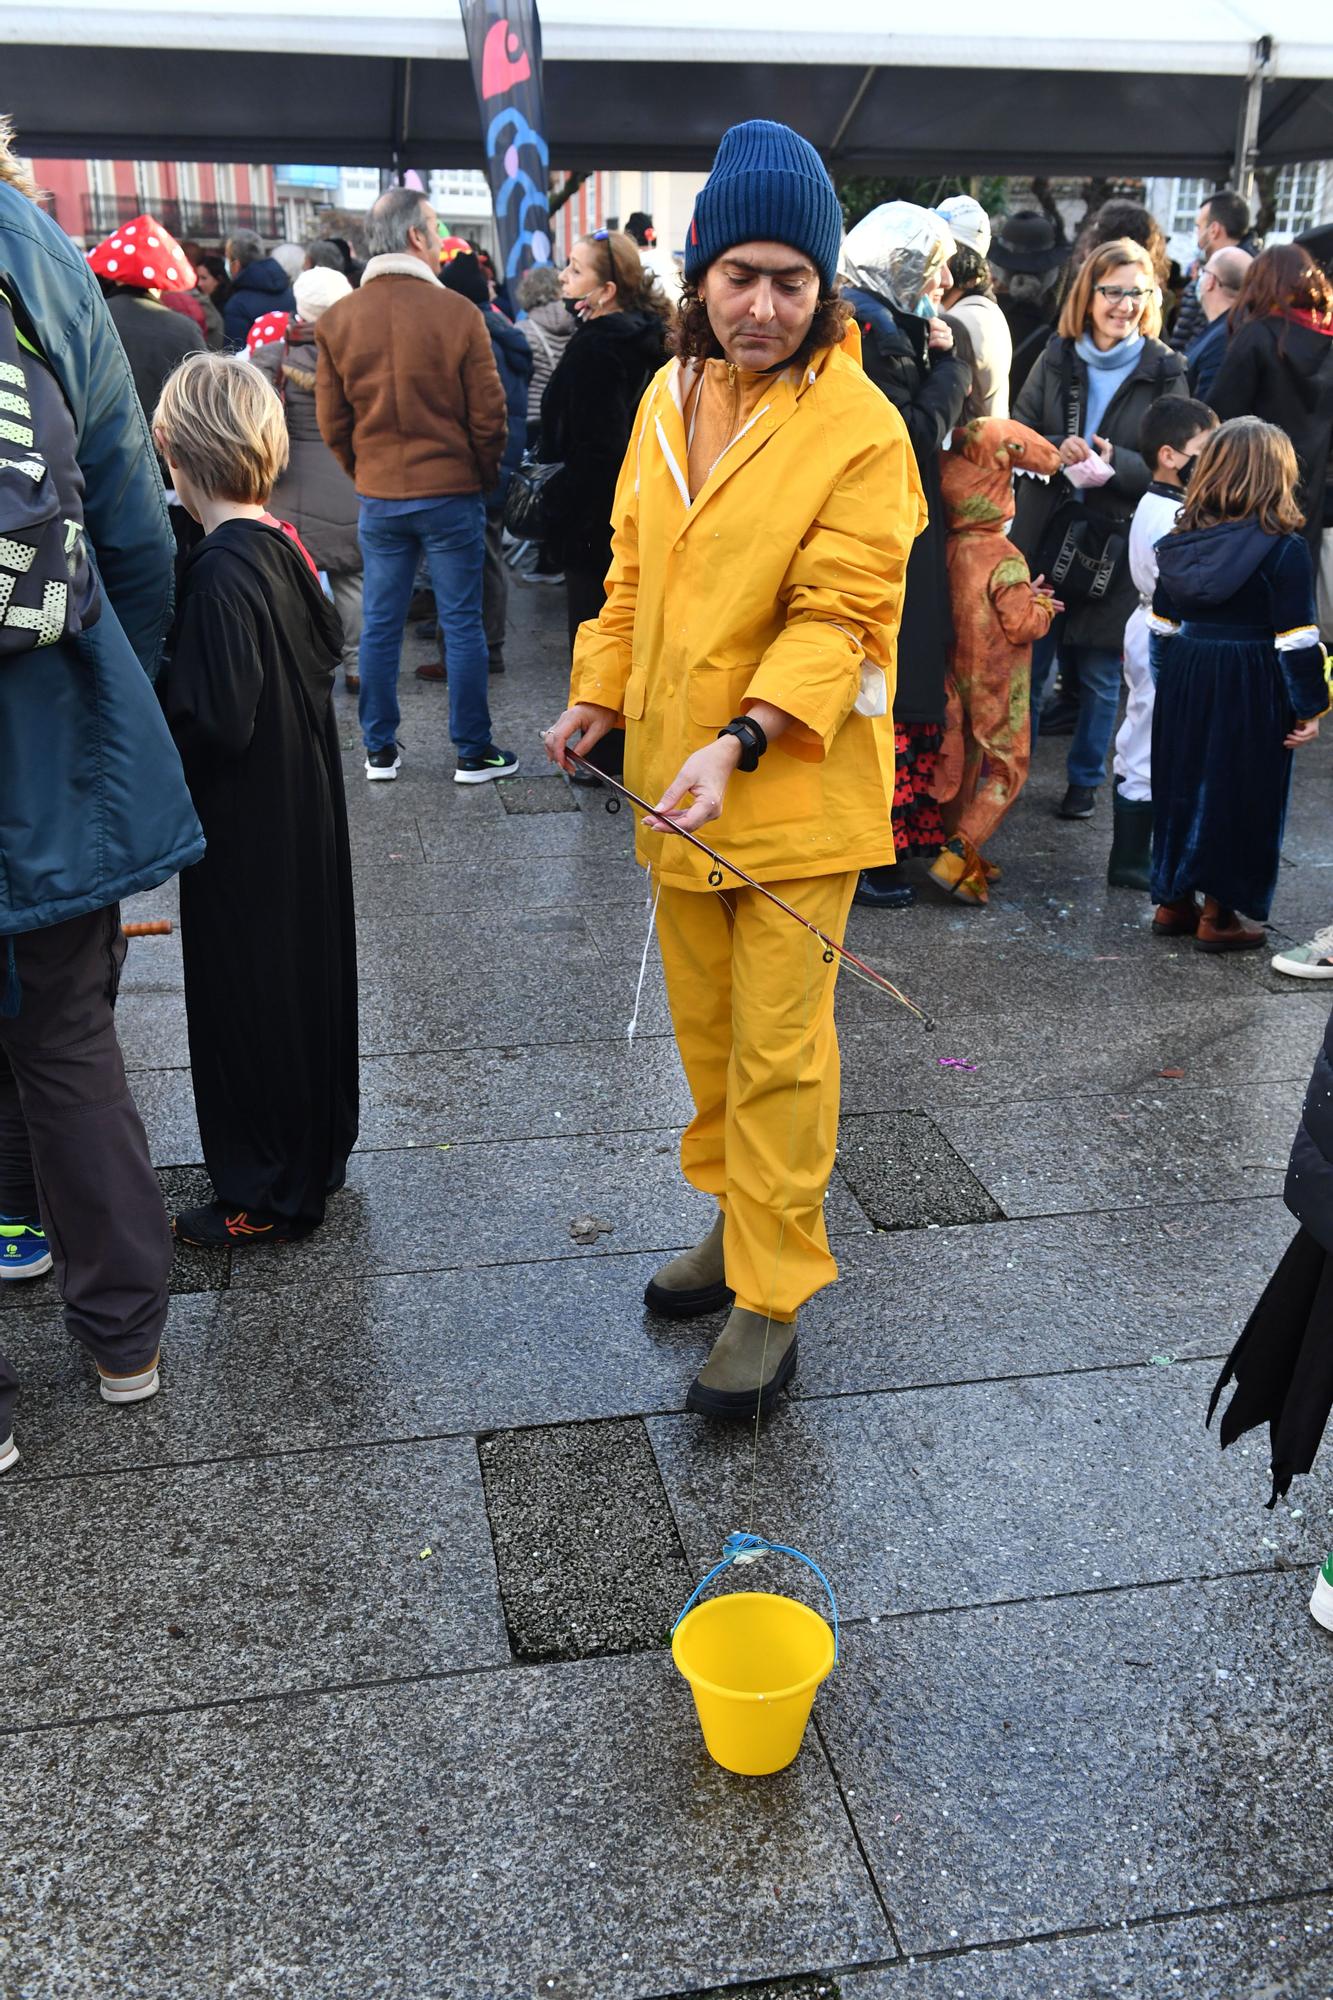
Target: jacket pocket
{"type": "Point", "coordinates": [635, 695]}
{"type": "Point", "coordinates": [716, 694]}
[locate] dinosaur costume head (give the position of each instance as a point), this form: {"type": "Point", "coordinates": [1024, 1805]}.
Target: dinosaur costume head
{"type": "Point", "coordinates": [977, 472]}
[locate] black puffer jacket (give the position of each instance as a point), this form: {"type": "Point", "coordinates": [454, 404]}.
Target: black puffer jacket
{"type": "Point", "coordinates": [587, 416]}
{"type": "Point", "coordinates": [928, 390]}
{"type": "Point", "coordinates": [1284, 374]}
{"type": "Point", "coordinates": [1309, 1189]}
{"type": "Point", "coordinates": [1041, 406]}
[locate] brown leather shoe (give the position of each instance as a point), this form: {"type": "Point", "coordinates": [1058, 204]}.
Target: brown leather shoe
{"type": "Point", "coordinates": [1221, 929]}
{"type": "Point", "coordinates": [433, 670]}
{"type": "Point", "coordinates": [352, 682]}
{"type": "Point", "coordinates": [1177, 919]}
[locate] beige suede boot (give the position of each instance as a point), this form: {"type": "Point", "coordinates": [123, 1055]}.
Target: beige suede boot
{"type": "Point", "coordinates": [693, 1283]}
{"type": "Point", "coordinates": [752, 1361]}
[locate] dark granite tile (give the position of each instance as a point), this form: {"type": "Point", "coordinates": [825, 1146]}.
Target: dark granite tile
{"type": "Point", "coordinates": [443, 1204]}
{"type": "Point", "coordinates": [586, 1550]}
{"type": "Point", "coordinates": [553, 1830]}
{"type": "Point", "coordinates": [1157, 1146]}
{"type": "Point", "coordinates": [536, 795]}
{"type": "Point", "coordinates": [1041, 1767]}
{"type": "Point", "coordinates": [906, 1175]}
{"type": "Point", "coordinates": [1280, 1951]}
{"type": "Point", "coordinates": [995, 1490]}
{"type": "Point", "coordinates": [806, 1986]}
{"type": "Point", "coordinates": [256, 1576]}
{"type": "Point", "coordinates": [1019, 1298]}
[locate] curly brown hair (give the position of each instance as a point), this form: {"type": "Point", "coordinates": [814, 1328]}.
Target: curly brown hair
{"type": "Point", "coordinates": [1246, 468]}
{"type": "Point", "coordinates": [695, 340]}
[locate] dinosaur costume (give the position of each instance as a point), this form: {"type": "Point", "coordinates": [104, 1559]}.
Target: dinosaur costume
{"type": "Point", "coordinates": [996, 617]}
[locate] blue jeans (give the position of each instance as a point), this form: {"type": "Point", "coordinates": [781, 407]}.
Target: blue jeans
{"type": "Point", "coordinates": [450, 533]}
{"type": "Point", "coordinates": [1098, 671]}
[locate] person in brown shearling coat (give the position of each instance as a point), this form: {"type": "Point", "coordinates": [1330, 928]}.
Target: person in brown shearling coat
{"type": "Point", "coordinates": [997, 613]}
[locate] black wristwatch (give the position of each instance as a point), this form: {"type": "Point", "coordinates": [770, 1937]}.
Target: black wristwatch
{"type": "Point", "coordinates": [751, 738]}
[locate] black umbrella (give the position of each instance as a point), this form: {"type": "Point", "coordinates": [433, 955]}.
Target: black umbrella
{"type": "Point", "coordinates": [1283, 1363]}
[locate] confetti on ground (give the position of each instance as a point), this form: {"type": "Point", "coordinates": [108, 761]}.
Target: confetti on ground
{"type": "Point", "coordinates": [425, 1553]}
{"type": "Point", "coordinates": [443, 1149]}
{"type": "Point", "coordinates": [1171, 1072]}
{"type": "Point", "coordinates": [953, 1062]}
{"type": "Point", "coordinates": [1161, 1360]}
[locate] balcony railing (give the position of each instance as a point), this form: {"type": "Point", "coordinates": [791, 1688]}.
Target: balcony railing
{"type": "Point", "coordinates": [205, 222]}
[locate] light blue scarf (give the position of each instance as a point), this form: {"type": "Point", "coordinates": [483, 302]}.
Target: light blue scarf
{"type": "Point", "coordinates": [1106, 371]}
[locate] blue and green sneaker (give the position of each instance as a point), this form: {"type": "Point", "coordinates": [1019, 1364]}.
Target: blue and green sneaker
{"type": "Point", "coordinates": [1321, 1604]}
{"type": "Point", "coordinates": [23, 1251]}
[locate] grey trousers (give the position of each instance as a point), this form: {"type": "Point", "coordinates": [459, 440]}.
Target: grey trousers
{"type": "Point", "coordinates": [73, 1149]}
{"type": "Point", "coordinates": [348, 587]}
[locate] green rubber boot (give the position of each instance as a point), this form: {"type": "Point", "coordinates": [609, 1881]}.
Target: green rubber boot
{"type": "Point", "coordinates": [693, 1283]}
{"type": "Point", "coordinates": [752, 1361]}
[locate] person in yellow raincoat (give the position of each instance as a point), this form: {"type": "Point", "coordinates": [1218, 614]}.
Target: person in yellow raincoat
{"type": "Point", "coordinates": [762, 524]}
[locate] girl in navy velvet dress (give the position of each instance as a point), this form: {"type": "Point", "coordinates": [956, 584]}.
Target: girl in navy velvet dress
{"type": "Point", "coordinates": [1240, 686]}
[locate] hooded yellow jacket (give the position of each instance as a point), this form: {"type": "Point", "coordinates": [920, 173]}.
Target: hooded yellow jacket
{"type": "Point", "coordinates": [781, 582]}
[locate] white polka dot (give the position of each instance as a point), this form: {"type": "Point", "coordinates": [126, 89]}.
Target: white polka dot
{"type": "Point", "coordinates": [115, 243]}
{"type": "Point", "coordinates": [153, 241]}
{"type": "Point", "coordinates": [148, 271]}
{"type": "Point", "coordinates": [130, 230]}
{"type": "Point", "coordinates": [172, 272]}
{"type": "Point", "coordinates": [113, 263]}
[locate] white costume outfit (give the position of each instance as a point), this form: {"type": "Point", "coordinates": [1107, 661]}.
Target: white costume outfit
{"type": "Point", "coordinates": [1154, 517]}
{"type": "Point", "coordinates": [992, 352]}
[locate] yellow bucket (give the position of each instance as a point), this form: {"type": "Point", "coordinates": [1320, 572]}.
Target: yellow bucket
{"type": "Point", "coordinates": [754, 1662]}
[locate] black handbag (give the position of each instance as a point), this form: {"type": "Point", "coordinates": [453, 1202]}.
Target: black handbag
{"type": "Point", "coordinates": [532, 503]}
{"type": "Point", "coordinates": [1081, 554]}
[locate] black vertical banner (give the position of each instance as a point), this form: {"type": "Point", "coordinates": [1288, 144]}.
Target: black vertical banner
{"type": "Point", "coordinates": [504, 41]}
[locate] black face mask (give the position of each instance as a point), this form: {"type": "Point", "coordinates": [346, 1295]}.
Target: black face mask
{"type": "Point", "coordinates": [1186, 469]}
{"type": "Point", "coordinates": [572, 308]}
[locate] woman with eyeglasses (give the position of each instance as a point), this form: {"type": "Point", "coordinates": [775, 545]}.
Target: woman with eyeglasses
{"type": "Point", "coordinates": [1088, 392]}
{"type": "Point", "coordinates": [619, 344]}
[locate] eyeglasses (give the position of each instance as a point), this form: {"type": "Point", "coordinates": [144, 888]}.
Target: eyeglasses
{"type": "Point", "coordinates": [1114, 294]}
{"type": "Point", "coordinates": [604, 236]}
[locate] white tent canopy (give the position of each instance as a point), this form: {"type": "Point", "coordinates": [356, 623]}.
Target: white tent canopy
{"type": "Point", "coordinates": [643, 83]}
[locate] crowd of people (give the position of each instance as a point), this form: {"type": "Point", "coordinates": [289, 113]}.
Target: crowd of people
{"type": "Point", "coordinates": [830, 508]}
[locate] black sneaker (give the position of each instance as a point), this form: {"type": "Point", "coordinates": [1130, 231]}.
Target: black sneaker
{"type": "Point", "coordinates": [492, 763]}
{"type": "Point", "coordinates": [217, 1227]}
{"type": "Point", "coordinates": [383, 763]}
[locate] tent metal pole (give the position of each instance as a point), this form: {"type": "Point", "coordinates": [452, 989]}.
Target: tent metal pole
{"type": "Point", "coordinates": [831, 150]}
{"type": "Point", "coordinates": [1247, 138]}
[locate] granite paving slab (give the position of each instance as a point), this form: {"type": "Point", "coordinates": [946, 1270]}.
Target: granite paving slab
{"type": "Point", "coordinates": [1152, 1147]}
{"type": "Point", "coordinates": [1030, 1297]}
{"type": "Point", "coordinates": [1041, 1767]}
{"type": "Point", "coordinates": [192, 1270]}
{"type": "Point", "coordinates": [906, 1175]}
{"type": "Point", "coordinates": [990, 1491]}
{"type": "Point", "coordinates": [433, 1207]}
{"type": "Point", "coordinates": [352, 1362]}
{"type": "Point", "coordinates": [536, 795]}
{"type": "Point", "coordinates": [1278, 1951]}
{"type": "Point", "coordinates": [531, 1090]}
{"type": "Point", "coordinates": [488, 882]}
{"type": "Point", "coordinates": [586, 1550]}
{"type": "Point", "coordinates": [520, 975]}
{"type": "Point", "coordinates": [554, 1830]}
{"type": "Point", "coordinates": [258, 1576]}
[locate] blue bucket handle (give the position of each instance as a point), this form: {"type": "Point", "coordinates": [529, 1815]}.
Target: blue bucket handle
{"type": "Point", "coordinates": [740, 1547]}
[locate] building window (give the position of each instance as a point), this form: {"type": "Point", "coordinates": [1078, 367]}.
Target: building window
{"type": "Point", "coordinates": [1295, 199]}
{"type": "Point", "coordinates": [1189, 199]}
{"type": "Point", "coordinates": [147, 184]}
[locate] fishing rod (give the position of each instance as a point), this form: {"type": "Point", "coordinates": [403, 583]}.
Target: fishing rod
{"type": "Point", "coordinates": [857, 967]}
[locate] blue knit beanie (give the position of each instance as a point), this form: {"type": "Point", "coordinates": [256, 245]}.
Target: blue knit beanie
{"type": "Point", "coordinates": [768, 185]}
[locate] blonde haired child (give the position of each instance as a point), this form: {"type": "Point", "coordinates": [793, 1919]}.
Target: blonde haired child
{"type": "Point", "coordinates": [266, 916]}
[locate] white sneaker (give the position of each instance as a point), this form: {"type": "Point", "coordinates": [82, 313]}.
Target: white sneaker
{"type": "Point", "coordinates": [1308, 961]}
{"type": "Point", "coordinates": [1321, 1604]}
{"type": "Point", "coordinates": [9, 1454]}
{"type": "Point", "coordinates": [130, 1388]}
{"type": "Point", "coordinates": [383, 764]}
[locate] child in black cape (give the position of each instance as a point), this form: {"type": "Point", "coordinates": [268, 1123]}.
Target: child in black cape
{"type": "Point", "coordinates": [1240, 681]}
{"type": "Point", "coordinates": [266, 917]}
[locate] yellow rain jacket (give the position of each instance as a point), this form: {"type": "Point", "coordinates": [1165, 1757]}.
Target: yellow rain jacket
{"type": "Point", "coordinates": [782, 582]}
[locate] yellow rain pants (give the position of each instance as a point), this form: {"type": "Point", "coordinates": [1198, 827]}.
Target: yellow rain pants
{"type": "Point", "coordinates": [752, 1006]}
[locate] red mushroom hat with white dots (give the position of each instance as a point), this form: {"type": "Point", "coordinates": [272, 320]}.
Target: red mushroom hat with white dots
{"type": "Point", "coordinates": [144, 254]}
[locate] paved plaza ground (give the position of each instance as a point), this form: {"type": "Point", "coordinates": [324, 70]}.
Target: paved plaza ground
{"type": "Point", "coordinates": [340, 1670]}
